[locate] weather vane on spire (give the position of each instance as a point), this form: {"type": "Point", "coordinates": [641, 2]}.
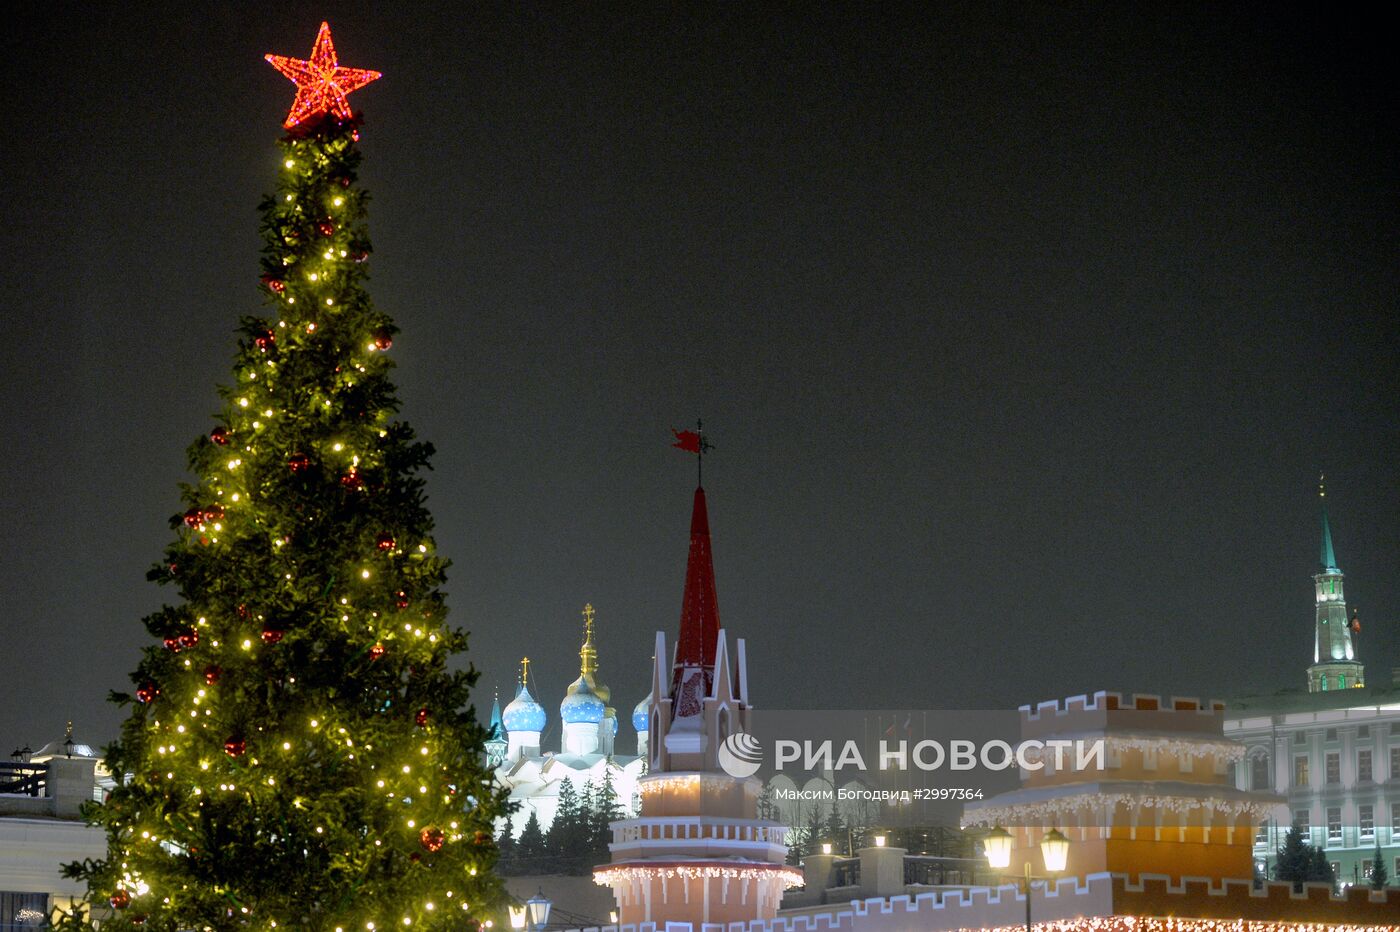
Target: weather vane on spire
{"type": "Point", "coordinates": [321, 83]}
{"type": "Point", "coordinates": [693, 441]}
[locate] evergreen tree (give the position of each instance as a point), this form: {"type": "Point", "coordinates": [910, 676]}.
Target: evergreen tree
{"type": "Point", "coordinates": [531, 848]}
{"type": "Point", "coordinates": [297, 751]}
{"type": "Point", "coordinates": [835, 829]}
{"type": "Point", "coordinates": [566, 832]}
{"type": "Point", "coordinates": [1294, 859]}
{"type": "Point", "coordinates": [505, 844]}
{"type": "Point", "coordinates": [1379, 875]}
{"type": "Point", "coordinates": [1319, 871]}
{"type": "Point", "coordinates": [607, 809]}
{"type": "Point", "coordinates": [815, 832]}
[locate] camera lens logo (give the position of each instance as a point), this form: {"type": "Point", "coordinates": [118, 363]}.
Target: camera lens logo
{"type": "Point", "coordinates": [741, 755]}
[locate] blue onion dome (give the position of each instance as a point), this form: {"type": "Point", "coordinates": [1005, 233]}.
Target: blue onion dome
{"type": "Point", "coordinates": [641, 714]}
{"type": "Point", "coordinates": [581, 704]}
{"type": "Point", "coordinates": [523, 713]}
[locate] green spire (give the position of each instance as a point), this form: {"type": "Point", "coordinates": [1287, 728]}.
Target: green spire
{"type": "Point", "coordinates": [1329, 559]}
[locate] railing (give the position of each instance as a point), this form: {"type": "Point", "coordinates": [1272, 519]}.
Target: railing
{"type": "Point", "coordinates": [933, 871]}
{"type": "Point", "coordinates": [22, 780]}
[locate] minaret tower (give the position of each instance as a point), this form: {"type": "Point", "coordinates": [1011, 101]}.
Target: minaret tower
{"type": "Point", "coordinates": [1334, 655]}
{"type": "Point", "coordinates": [698, 853]}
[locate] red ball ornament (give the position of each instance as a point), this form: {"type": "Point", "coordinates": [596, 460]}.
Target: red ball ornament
{"type": "Point", "coordinates": [187, 639]}
{"type": "Point", "coordinates": [275, 285]}
{"type": "Point", "coordinates": [212, 673]}
{"type": "Point", "coordinates": [120, 900]}
{"type": "Point", "coordinates": [219, 435]}
{"type": "Point", "coordinates": [265, 339]}
{"type": "Point", "coordinates": [345, 181]}
{"type": "Point", "coordinates": [194, 517]}
{"type": "Point", "coordinates": [352, 481]}
{"type": "Point", "coordinates": [383, 339]}
{"type": "Point", "coordinates": [361, 256]}
{"type": "Point", "coordinates": [420, 718]}
{"type": "Point", "coordinates": [384, 541]}
{"type": "Point", "coordinates": [298, 462]}
{"type": "Point", "coordinates": [172, 643]}
{"type": "Point", "coordinates": [401, 599]}
{"type": "Point", "coordinates": [147, 692]}
{"type": "Point", "coordinates": [431, 838]}
{"type": "Point", "coordinates": [271, 635]}
{"type": "Point", "coordinates": [376, 652]}
{"type": "Point", "coordinates": [139, 919]}
{"type": "Point", "coordinates": [326, 227]}
{"type": "Point", "coordinates": [214, 513]}
{"type": "Point", "coordinates": [234, 747]}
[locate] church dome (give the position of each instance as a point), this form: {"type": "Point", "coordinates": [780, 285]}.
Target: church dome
{"type": "Point", "coordinates": [581, 704]}
{"type": "Point", "coordinates": [641, 714]}
{"type": "Point", "coordinates": [523, 713]}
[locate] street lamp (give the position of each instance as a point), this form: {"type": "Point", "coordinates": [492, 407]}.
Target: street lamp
{"type": "Point", "coordinates": [537, 911]}
{"type": "Point", "coordinates": [517, 917]}
{"type": "Point", "coordinates": [1054, 850]}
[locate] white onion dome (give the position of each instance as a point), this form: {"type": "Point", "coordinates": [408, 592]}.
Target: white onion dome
{"type": "Point", "coordinates": [581, 704]}
{"type": "Point", "coordinates": [523, 713]}
{"type": "Point", "coordinates": [641, 714]}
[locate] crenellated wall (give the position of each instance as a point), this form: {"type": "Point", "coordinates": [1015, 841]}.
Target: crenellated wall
{"type": "Point", "coordinates": [1098, 902]}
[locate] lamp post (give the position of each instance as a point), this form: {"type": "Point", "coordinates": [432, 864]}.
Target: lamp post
{"type": "Point", "coordinates": [1054, 849]}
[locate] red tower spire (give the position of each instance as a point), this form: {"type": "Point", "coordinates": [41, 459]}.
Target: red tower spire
{"type": "Point", "coordinates": [695, 647]}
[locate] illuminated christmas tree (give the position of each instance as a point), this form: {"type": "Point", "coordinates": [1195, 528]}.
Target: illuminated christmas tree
{"type": "Point", "coordinates": [298, 754]}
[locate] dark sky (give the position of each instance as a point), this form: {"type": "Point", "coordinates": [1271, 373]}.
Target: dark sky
{"type": "Point", "coordinates": [1022, 330]}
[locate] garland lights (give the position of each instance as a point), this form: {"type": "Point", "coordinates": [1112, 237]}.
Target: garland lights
{"type": "Point", "coordinates": [297, 753]}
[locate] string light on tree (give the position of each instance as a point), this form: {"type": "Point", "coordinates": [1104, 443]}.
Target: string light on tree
{"type": "Point", "coordinates": [279, 744]}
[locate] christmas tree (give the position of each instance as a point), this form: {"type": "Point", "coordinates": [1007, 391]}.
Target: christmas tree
{"type": "Point", "coordinates": [298, 754]}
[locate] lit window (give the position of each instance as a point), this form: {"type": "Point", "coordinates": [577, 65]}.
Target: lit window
{"type": "Point", "coordinates": [1300, 771]}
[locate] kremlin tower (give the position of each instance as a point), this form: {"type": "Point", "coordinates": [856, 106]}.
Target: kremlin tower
{"type": "Point", "coordinates": [1334, 654]}
{"type": "Point", "coordinates": [698, 852]}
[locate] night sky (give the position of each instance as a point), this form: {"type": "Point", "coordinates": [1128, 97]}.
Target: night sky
{"type": "Point", "coordinates": [1022, 332]}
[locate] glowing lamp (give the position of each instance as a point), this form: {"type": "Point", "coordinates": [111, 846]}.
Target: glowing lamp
{"type": "Point", "coordinates": [538, 908]}
{"type": "Point", "coordinates": [1054, 847]}
{"type": "Point", "coordinates": [997, 846]}
{"type": "Point", "coordinates": [612, 916]}
{"type": "Point", "coordinates": [517, 916]}
{"type": "Point", "coordinates": [826, 847]}
{"type": "Point", "coordinates": [879, 841]}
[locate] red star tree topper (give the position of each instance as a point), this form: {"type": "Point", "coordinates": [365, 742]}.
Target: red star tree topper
{"type": "Point", "coordinates": [321, 83]}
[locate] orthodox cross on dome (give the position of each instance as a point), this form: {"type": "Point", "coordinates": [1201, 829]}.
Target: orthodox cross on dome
{"type": "Point", "coordinates": [588, 654]}
{"type": "Point", "coordinates": [525, 672]}
{"type": "Point", "coordinates": [321, 83]}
